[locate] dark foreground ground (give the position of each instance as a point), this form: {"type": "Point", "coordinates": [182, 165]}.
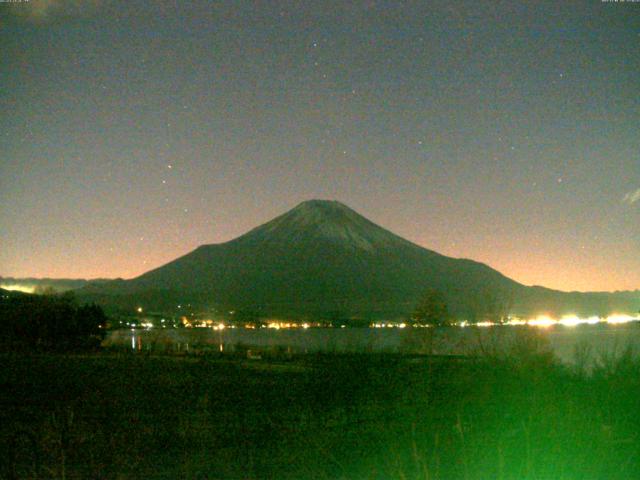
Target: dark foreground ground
{"type": "Point", "coordinates": [510, 415]}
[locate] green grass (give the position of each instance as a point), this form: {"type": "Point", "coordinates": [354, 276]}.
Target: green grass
{"type": "Point", "coordinates": [514, 414]}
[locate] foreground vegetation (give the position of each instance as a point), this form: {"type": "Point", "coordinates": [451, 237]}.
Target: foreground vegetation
{"type": "Point", "coordinates": [512, 414]}
{"type": "Point", "coordinates": [49, 322]}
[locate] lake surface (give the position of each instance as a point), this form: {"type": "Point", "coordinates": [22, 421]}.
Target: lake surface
{"type": "Point", "coordinates": [564, 341]}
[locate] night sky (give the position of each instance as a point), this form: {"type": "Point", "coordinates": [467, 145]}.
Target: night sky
{"type": "Point", "coordinates": [506, 132]}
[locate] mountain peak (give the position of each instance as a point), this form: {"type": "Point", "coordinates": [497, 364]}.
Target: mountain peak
{"type": "Point", "coordinates": [321, 211]}
{"type": "Point", "coordinates": [324, 219]}
{"type": "Point", "coordinates": [322, 204]}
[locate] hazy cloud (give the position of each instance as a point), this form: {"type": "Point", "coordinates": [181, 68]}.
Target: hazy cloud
{"type": "Point", "coordinates": [632, 197]}
{"type": "Point", "coordinates": [46, 10]}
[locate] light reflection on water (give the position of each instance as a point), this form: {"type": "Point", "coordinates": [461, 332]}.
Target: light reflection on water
{"type": "Point", "coordinates": [564, 341]}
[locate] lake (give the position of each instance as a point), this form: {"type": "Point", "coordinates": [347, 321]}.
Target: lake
{"type": "Point", "coordinates": [564, 341]}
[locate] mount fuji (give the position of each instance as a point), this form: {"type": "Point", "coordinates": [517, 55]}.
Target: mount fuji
{"type": "Point", "coordinates": [322, 257]}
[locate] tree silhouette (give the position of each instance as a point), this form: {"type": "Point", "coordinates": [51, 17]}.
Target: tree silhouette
{"type": "Point", "coordinates": [49, 322]}
{"type": "Point", "coordinates": [432, 309]}
{"type": "Point", "coordinates": [490, 304]}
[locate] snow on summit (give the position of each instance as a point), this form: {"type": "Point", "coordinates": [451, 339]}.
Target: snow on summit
{"type": "Point", "coordinates": [326, 219]}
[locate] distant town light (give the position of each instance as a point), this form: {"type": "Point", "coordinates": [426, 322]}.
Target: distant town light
{"type": "Point", "coordinates": [571, 321]}
{"type": "Point", "coordinates": [616, 318]}
{"type": "Point", "coordinates": [542, 321]}
{"type": "Point", "coordinates": [516, 321]}
{"type": "Point", "coordinates": [485, 324]}
{"type": "Point", "coordinates": [18, 287]}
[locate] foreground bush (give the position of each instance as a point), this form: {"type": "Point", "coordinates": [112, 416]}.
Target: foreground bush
{"type": "Point", "coordinates": [515, 414]}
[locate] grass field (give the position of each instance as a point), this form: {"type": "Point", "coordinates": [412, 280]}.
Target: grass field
{"type": "Point", "coordinates": [515, 414]}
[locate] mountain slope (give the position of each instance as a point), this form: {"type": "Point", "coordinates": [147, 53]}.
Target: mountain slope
{"type": "Point", "coordinates": [323, 257]}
